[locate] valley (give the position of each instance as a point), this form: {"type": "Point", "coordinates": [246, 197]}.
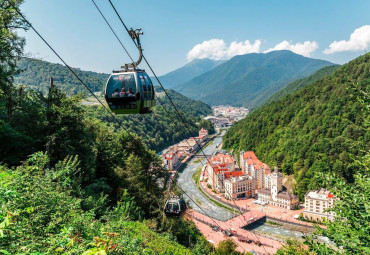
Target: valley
{"type": "Point", "coordinates": [254, 138]}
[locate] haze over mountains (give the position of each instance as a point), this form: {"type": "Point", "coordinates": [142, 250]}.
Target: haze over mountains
{"type": "Point", "coordinates": [187, 72]}
{"type": "Point", "coordinates": [248, 80]}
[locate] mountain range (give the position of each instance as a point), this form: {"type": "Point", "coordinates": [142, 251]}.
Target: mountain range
{"type": "Point", "coordinates": [247, 80]}
{"type": "Point", "coordinates": [189, 71]}
{"type": "Point", "coordinates": [320, 128]}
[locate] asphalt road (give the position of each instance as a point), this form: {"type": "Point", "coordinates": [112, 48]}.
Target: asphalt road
{"type": "Point", "coordinates": [186, 182]}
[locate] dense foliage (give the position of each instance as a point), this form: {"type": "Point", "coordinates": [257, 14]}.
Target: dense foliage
{"type": "Point", "coordinates": [248, 80]}
{"type": "Point", "coordinates": [11, 47]}
{"type": "Point", "coordinates": [95, 189]}
{"type": "Point", "coordinates": [318, 129]}
{"type": "Point", "coordinates": [36, 74]}
{"type": "Point", "coordinates": [158, 130]}
{"type": "Point", "coordinates": [348, 232]}
{"type": "Point", "coordinates": [162, 127]}
{"type": "Point", "coordinates": [298, 84]}
{"type": "Point", "coordinates": [43, 211]}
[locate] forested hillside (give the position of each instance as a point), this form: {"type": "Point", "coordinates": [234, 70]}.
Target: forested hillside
{"type": "Point", "coordinates": [158, 130]}
{"type": "Point", "coordinates": [36, 74]}
{"type": "Point", "coordinates": [185, 104]}
{"type": "Point", "coordinates": [298, 84]}
{"type": "Point", "coordinates": [247, 80]}
{"type": "Point", "coordinates": [162, 127]}
{"type": "Point", "coordinates": [71, 183]}
{"type": "Point", "coordinates": [319, 129]}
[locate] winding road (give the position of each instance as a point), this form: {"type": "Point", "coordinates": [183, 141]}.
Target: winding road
{"type": "Point", "coordinates": [187, 184]}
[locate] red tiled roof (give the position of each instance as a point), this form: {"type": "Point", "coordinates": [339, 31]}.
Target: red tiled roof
{"type": "Point", "coordinates": [250, 155]}
{"type": "Point", "coordinates": [228, 175]}
{"type": "Point", "coordinates": [222, 158]}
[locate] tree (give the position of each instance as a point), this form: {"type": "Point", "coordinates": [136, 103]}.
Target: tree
{"type": "Point", "coordinates": [11, 47]}
{"type": "Point", "coordinates": [294, 247]}
{"type": "Point", "coordinates": [349, 231]}
{"type": "Point", "coordinates": [227, 247]}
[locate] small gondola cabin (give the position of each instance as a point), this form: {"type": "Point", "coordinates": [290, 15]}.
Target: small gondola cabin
{"type": "Point", "coordinates": [175, 207]}
{"type": "Point", "coordinates": [130, 92]}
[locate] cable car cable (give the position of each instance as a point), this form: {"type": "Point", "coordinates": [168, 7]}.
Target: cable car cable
{"type": "Point", "coordinates": [146, 61]}
{"type": "Point", "coordinates": [106, 21]}
{"type": "Point", "coordinates": [170, 99]}
{"type": "Point", "coordinates": [182, 119]}
{"type": "Point", "coordinates": [70, 69]}
{"type": "Point", "coordinates": [162, 107]}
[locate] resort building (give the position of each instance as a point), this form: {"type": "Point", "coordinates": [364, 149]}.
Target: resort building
{"type": "Point", "coordinates": [239, 186]}
{"type": "Point", "coordinates": [192, 144]}
{"type": "Point", "coordinates": [218, 168]}
{"type": "Point", "coordinates": [316, 203]}
{"type": "Point", "coordinates": [188, 146]}
{"type": "Point", "coordinates": [203, 135]}
{"type": "Point", "coordinates": [171, 158]}
{"type": "Point", "coordinates": [273, 194]}
{"type": "Point", "coordinates": [252, 166]}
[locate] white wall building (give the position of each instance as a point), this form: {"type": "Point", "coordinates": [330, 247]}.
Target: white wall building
{"type": "Point", "coordinates": [251, 165]}
{"type": "Point", "coordinates": [239, 186]}
{"type": "Point", "coordinates": [316, 202]}
{"type": "Point", "coordinates": [171, 158]}
{"type": "Point", "coordinates": [272, 192]}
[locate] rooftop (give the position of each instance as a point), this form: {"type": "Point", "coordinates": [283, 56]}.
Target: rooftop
{"type": "Point", "coordinates": [250, 155]}
{"type": "Point", "coordinates": [232, 174]}
{"type": "Point", "coordinates": [265, 191]}
{"type": "Point", "coordinates": [319, 194]}
{"type": "Point", "coordinates": [286, 195]}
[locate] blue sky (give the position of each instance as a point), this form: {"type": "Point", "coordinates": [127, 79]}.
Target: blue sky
{"type": "Point", "coordinates": [172, 29]}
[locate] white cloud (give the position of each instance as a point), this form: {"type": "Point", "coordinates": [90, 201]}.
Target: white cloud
{"type": "Point", "coordinates": [304, 49]}
{"type": "Point", "coordinates": [217, 49]}
{"type": "Point", "coordinates": [359, 40]}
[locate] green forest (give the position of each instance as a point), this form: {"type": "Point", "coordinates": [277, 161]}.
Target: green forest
{"type": "Point", "coordinates": [162, 127]}
{"type": "Point", "coordinates": [72, 182]}
{"type": "Point", "coordinates": [36, 74]}
{"type": "Point", "coordinates": [300, 83]}
{"type": "Point", "coordinates": [319, 129]}
{"type": "Point", "coordinates": [158, 130]}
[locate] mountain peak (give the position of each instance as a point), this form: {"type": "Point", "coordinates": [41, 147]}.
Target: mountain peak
{"type": "Point", "coordinates": [251, 78]}
{"type": "Point", "coordinates": [192, 69]}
